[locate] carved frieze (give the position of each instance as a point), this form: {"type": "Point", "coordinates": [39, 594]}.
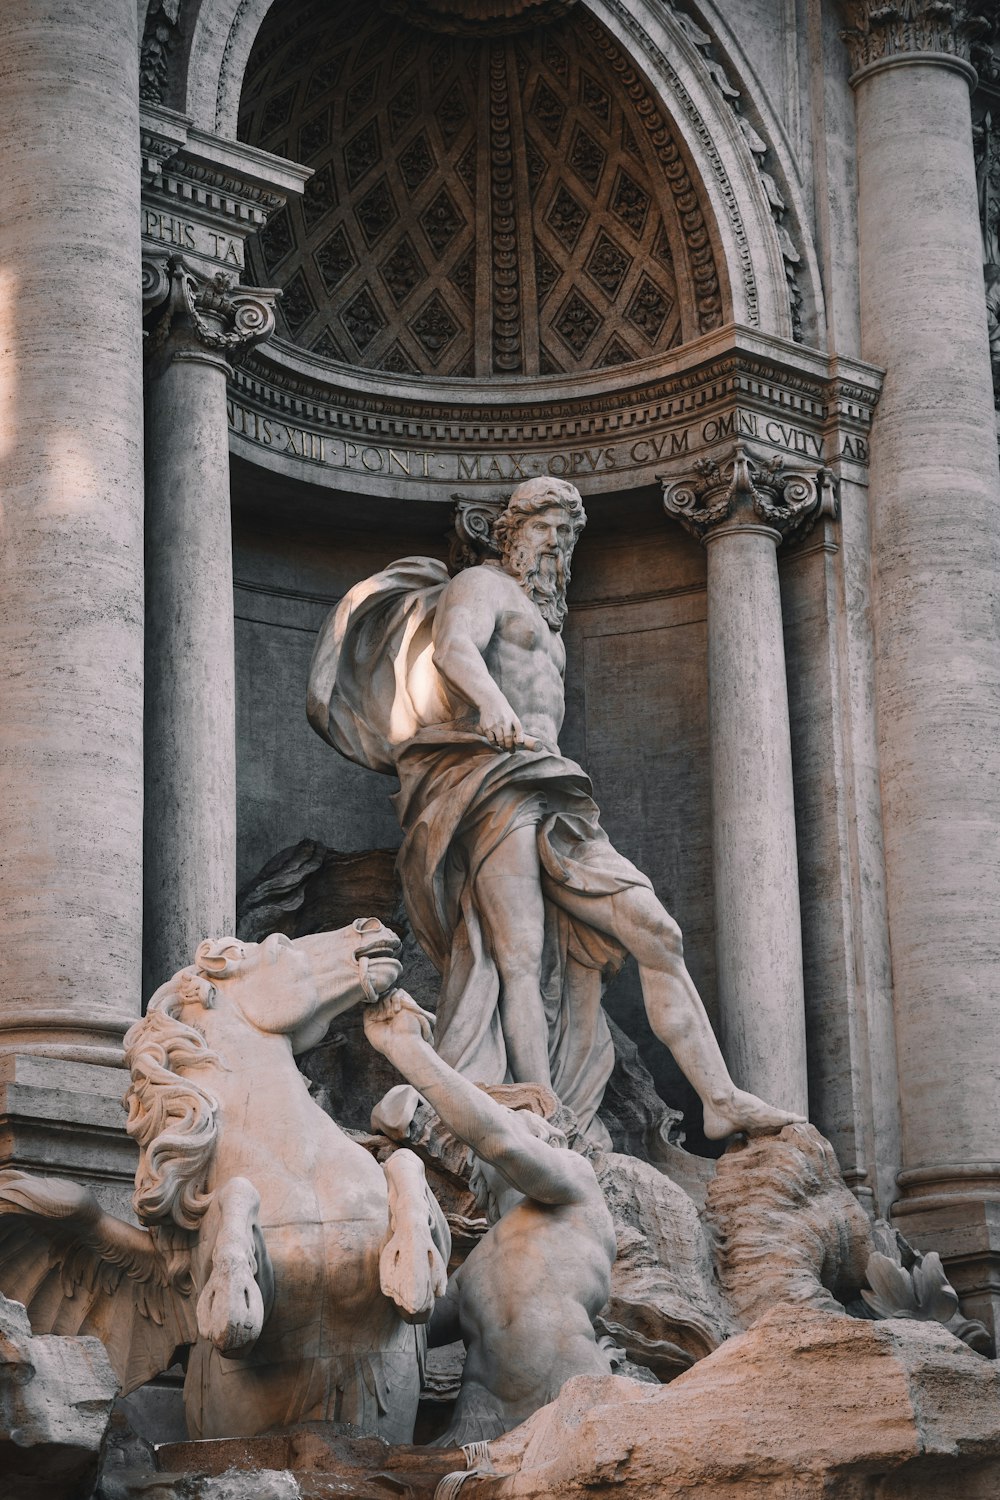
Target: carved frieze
{"type": "Point", "coordinates": [364, 434]}
{"type": "Point", "coordinates": [741, 489]}
{"type": "Point", "coordinates": [202, 196]}
{"type": "Point", "coordinates": [529, 181]}
{"type": "Point", "coordinates": [877, 30]}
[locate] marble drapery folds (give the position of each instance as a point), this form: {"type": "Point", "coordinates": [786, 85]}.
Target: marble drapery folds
{"type": "Point", "coordinates": [375, 695]}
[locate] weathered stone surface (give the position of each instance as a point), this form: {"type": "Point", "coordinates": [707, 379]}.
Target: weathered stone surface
{"type": "Point", "coordinates": [787, 1228]}
{"type": "Point", "coordinates": [665, 1309]}
{"type": "Point", "coordinates": [803, 1405]}
{"type": "Point", "coordinates": [56, 1396]}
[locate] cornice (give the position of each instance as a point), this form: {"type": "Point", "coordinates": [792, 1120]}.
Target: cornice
{"type": "Point", "coordinates": [604, 430]}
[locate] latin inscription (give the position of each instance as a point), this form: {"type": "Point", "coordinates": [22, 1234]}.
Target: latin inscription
{"type": "Point", "coordinates": [511, 468]}
{"type": "Point", "coordinates": [169, 231]}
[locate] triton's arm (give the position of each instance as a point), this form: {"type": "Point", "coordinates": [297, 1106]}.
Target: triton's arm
{"type": "Point", "coordinates": [464, 624]}
{"type": "Point", "coordinates": [505, 1138]}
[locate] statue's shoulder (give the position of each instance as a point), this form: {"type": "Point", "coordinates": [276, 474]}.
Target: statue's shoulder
{"type": "Point", "coordinates": [483, 583]}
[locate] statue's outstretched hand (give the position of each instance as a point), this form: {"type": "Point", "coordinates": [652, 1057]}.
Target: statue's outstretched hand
{"type": "Point", "coordinates": [396, 1015]}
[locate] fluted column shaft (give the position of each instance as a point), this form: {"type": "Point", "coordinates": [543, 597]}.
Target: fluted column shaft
{"type": "Point", "coordinates": [70, 528]}
{"type": "Point", "coordinates": [190, 821]}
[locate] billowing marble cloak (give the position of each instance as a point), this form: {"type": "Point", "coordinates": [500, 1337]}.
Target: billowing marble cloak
{"type": "Point", "coordinates": [375, 695]}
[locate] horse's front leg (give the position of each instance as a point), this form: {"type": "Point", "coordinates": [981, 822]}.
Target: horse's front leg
{"type": "Point", "coordinates": [238, 1293]}
{"type": "Point", "coordinates": [413, 1264]}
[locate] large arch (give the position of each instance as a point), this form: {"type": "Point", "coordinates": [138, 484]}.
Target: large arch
{"type": "Point", "coordinates": [734, 143]}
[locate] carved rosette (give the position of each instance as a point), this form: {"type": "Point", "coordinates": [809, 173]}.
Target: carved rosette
{"type": "Point", "coordinates": [877, 31]}
{"type": "Point", "coordinates": [204, 315]}
{"type": "Point", "coordinates": [758, 492]}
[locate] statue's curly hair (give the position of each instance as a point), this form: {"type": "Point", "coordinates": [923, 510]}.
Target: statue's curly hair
{"type": "Point", "coordinates": [174, 1120]}
{"type": "Point", "coordinates": [532, 497]}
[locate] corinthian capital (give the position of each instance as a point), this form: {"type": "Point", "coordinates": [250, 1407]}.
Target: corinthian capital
{"type": "Point", "coordinates": [758, 492]}
{"type": "Point", "coordinates": [212, 315]}
{"type": "Point", "coordinates": [881, 29]}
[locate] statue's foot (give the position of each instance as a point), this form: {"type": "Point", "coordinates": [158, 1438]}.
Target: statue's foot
{"type": "Point", "coordinates": [739, 1112]}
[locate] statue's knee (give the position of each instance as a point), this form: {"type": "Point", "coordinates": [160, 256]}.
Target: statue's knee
{"type": "Point", "coordinates": [667, 933]}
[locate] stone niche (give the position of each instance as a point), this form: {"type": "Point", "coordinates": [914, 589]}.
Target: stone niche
{"type": "Point", "coordinates": [636, 648]}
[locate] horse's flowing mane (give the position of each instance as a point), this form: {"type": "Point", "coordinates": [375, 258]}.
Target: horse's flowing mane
{"type": "Point", "coordinates": [173, 1120]}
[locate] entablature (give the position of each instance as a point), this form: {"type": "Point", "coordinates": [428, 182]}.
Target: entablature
{"type": "Point", "coordinates": [607, 431]}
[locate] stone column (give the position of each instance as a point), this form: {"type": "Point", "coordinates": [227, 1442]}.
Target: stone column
{"type": "Point", "coordinates": [70, 530]}
{"type": "Point", "coordinates": [741, 510]}
{"type": "Point", "coordinates": [190, 818]}
{"type": "Point", "coordinates": [935, 526]}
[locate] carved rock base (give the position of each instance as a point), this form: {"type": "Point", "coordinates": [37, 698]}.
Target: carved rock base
{"type": "Point", "coordinates": [311, 1460]}
{"type": "Point", "coordinates": [804, 1405]}
{"type": "Point", "coordinates": [56, 1396]}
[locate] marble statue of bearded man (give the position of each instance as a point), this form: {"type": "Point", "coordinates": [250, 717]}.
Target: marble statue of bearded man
{"type": "Point", "coordinates": [511, 885]}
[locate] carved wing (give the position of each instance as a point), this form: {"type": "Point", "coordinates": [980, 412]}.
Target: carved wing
{"type": "Point", "coordinates": [79, 1270]}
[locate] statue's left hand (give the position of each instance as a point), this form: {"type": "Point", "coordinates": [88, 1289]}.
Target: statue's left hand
{"type": "Point", "coordinates": [397, 1014]}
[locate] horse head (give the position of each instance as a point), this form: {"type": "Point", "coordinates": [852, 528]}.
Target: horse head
{"type": "Point", "coordinates": [296, 986]}
{"type": "Point", "coordinates": [282, 986]}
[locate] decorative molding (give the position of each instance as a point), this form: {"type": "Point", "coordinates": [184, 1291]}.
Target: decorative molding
{"type": "Point", "coordinates": [159, 39]}
{"type": "Point", "coordinates": [405, 440]}
{"type": "Point", "coordinates": [203, 196]}
{"type": "Point", "coordinates": [507, 342]}
{"type": "Point", "coordinates": [702, 261]}
{"type": "Point", "coordinates": [202, 314]}
{"type": "Point", "coordinates": [162, 133]}
{"type": "Point", "coordinates": [225, 66]}
{"type": "Point", "coordinates": [480, 17]}
{"type": "Point", "coordinates": [878, 30]}
{"type": "Point", "coordinates": [751, 491]}
{"type": "Point", "coordinates": [790, 254]}
{"type": "Point", "coordinates": [625, 14]}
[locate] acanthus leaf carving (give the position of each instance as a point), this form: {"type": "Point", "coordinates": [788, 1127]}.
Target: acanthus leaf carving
{"type": "Point", "coordinates": [877, 30]}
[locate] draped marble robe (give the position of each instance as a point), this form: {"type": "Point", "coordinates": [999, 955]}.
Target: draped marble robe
{"type": "Point", "coordinates": [376, 696]}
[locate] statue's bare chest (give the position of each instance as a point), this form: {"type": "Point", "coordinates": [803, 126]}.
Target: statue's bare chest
{"type": "Point", "coordinates": [521, 628]}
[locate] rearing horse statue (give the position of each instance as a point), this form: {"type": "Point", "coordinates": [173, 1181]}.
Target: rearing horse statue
{"type": "Point", "coordinates": [292, 1266]}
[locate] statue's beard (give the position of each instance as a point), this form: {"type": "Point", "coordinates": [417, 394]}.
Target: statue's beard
{"type": "Point", "coordinates": [544, 577]}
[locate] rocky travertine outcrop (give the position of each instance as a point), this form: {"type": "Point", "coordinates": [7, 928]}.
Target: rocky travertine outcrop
{"type": "Point", "coordinates": [56, 1396]}
{"type": "Point", "coordinates": [805, 1405]}
{"type": "Point", "coordinates": [787, 1228]}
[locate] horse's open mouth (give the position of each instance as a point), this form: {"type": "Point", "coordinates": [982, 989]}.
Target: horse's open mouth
{"type": "Point", "coordinates": [379, 948]}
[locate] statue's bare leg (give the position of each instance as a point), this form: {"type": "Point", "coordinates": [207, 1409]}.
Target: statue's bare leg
{"type": "Point", "coordinates": [675, 1010]}
{"type": "Point", "coordinates": [508, 894]}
